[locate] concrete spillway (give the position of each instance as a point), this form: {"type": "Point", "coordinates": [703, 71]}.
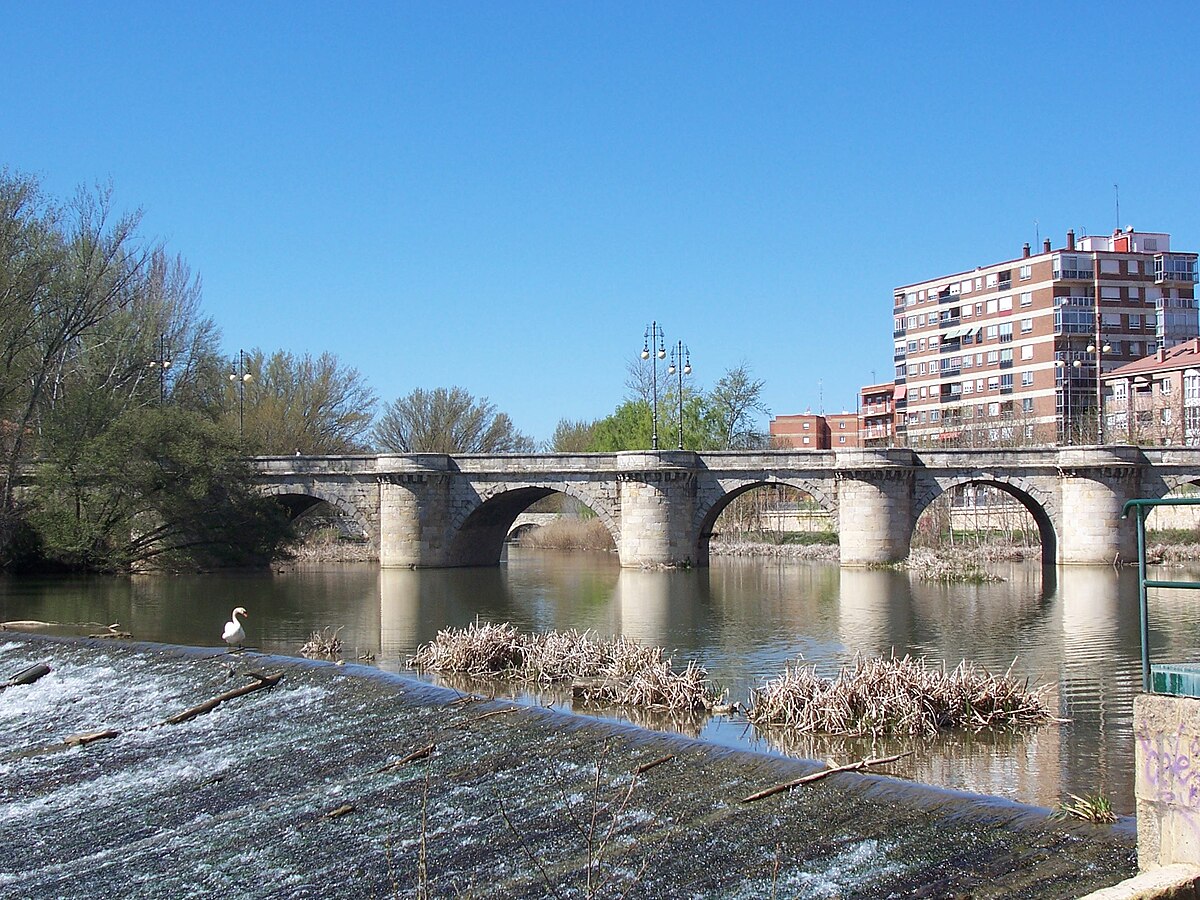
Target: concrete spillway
{"type": "Point", "coordinates": [279, 794]}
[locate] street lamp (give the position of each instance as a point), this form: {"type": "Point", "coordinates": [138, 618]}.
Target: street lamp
{"type": "Point", "coordinates": [1068, 385]}
{"type": "Point", "coordinates": [241, 377]}
{"type": "Point", "coordinates": [681, 364]}
{"type": "Point", "coordinates": [162, 364]}
{"type": "Point", "coordinates": [653, 344]}
{"type": "Point", "coordinates": [1099, 351]}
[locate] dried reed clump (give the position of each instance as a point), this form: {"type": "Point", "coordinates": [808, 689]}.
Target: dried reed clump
{"type": "Point", "coordinates": [947, 567]}
{"type": "Point", "coordinates": [323, 643]}
{"type": "Point", "coordinates": [607, 670]}
{"type": "Point", "coordinates": [906, 696]}
{"type": "Point", "coordinates": [480, 649]}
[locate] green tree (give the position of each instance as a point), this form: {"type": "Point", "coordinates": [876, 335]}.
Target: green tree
{"type": "Point", "coordinates": [733, 403]}
{"type": "Point", "coordinates": [447, 421]}
{"type": "Point", "coordinates": [573, 436]}
{"type": "Point", "coordinates": [315, 405]}
{"type": "Point", "coordinates": [160, 487]}
{"type": "Point", "coordinates": [64, 269]}
{"type": "Point", "coordinates": [629, 427]}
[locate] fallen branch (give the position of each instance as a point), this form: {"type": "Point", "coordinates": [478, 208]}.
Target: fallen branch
{"type": "Point", "coordinates": [340, 811]}
{"type": "Point", "coordinates": [646, 767]}
{"type": "Point", "coordinates": [405, 760]}
{"type": "Point", "coordinates": [825, 773]}
{"type": "Point", "coordinates": [486, 715]}
{"type": "Point", "coordinates": [80, 740]}
{"type": "Point", "coordinates": [263, 681]}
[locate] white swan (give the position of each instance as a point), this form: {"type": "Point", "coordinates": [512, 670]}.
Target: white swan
{"type": "Point", "coordinates": [234, 633]}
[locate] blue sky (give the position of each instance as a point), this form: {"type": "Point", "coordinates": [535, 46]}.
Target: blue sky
{"type": "Point", "coordinates": [503, 195]}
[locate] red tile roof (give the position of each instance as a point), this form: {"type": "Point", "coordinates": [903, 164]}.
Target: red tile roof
{"type": "Point", "coordinates": [1181, 356]}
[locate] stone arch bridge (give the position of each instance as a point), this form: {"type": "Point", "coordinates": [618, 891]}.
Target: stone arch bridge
{"type": "Point", "coordinates": [433, 510]}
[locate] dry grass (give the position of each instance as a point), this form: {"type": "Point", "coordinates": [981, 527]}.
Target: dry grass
{"type": "Point", "coordinates": [569, 534]}
{"type": "Point", "coordinates": [323, 644]}
{"type": "Point", "coordinates": [947, 567]}
{"type": "Point", "coordinates": [906, 696]}
{"type": "Point", "coordinates": [614, 671]}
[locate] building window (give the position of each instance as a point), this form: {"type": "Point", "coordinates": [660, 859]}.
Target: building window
{"type": "Point", "coordinates": [805, 426]}
{"type": "Point", "coordinates": [934, 415]}
{"type": "Point", "coordinates": [1027, 299]}
{"type": "Point", "coordinates": [1165, 415]}
{"type": "Point", "coordinates": [1027, 404]}
{"type": "Point", "coordinates": [1135, 268]}
{"type": "Point", "coordinates": [842, 425]}
{"type": "Point", "coordinates": [806, 439]}
{"type": "Point", "coordinates": [1006, 356]}
{"type": "Point", "coordinates": [1135, 321]}
{"type": "Point", "coordinates": [1006, 331]}
{"type": "Point", "coordinates": [993, 332]}
{"type": "Point", "coordinates": [993, 357]}
{"type": "Point", "coordinates": [1026, 272]}
{"type": "Point", "coordinates": [1006, 382]}
{"type": "Point", "coordinates": [1026, 326]}
{"type": "Point", "coordinates": [841, 439]}
{"type": "Point", "coordinates": [1005, 304]}
{"type": "Point", "coordinates": [991, 280]}
{"type": "Point", "coordinates": [1027, 351]}
{"type": "Point", "coordinates": [1026, 379]}
{"type": "Point", "coordinates": [993, 409]}
{"type": "Point", "coordinates": [994, 383]}
{"type": "Point", "coordinates": [990, 306]}
{"type": "Point", "coordinates": [1164, 386]}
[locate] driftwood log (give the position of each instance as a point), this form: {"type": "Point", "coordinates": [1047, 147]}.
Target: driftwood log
{"type": "Point", "coordinates": [824, 773]}
{"type": "Point", "coordinates": [425, 751]}
{"type": "Point", "coordinates": [261, 682]}
{"type": "Point", "coordinates": [27, 676]}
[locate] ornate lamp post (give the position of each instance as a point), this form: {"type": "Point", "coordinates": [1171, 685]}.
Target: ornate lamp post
{"type": "Point", "coordinates": [162, 364]}
{"type": "Point", "coordinates": [241, 377]}
{"type": "Point", "coordinates": [681, 364]}
{"type": "Point", "coordinates": [1068, 389]}
{"type": "Point", "coordinates": [1099, 349]}
{"type": "Point", "coordinates": [653, 345]}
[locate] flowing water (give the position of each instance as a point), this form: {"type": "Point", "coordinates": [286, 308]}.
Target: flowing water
{"type": "Point", "coordinates": [1074, 629]}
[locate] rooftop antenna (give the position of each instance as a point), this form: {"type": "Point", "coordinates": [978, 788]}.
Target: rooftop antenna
{"type": "Point", "coordinates": [1037, 234]}
{"type": "Point", "coordinates": [821, 395]}
{"type": "Point", "coordinates": [1117, 194]}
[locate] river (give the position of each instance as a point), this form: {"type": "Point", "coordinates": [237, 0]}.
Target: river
{"type": "Point", "coordinates": [1073, 629]}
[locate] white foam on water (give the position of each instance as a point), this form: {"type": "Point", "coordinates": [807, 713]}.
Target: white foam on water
{"type": "Point", "coordinates": [862, 863]}
{"type": "Point", "coordinates": [122, 788]}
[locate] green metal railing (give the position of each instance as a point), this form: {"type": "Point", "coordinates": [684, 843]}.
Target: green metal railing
{"type": "Point", "coordinates": [1143, 509]}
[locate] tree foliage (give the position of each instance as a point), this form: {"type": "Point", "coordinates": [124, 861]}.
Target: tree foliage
{"type": "Point", "coordinates": [573, 436]}
{"type": "Point", "coordinates": [109, 377]}
{"type": "Point", "coordinates": [733, 401]}
{"type": "Point", "coordinates": [162, 487]}
{"type": "Point", "coordinates": [447, 421]}
{"type": "Point", "coordinates": [314, 405]}
{"type": "Point", "coordinates": [721, 419]}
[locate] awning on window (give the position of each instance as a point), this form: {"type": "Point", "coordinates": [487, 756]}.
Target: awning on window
{"type": "Point", "coordinates": [901, 391]}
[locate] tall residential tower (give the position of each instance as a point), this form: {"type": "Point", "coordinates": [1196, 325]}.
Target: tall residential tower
{"type": "Point", "coordinates": [1010, 353]}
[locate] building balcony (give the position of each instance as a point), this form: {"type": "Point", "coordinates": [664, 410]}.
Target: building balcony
{"type": "Point", "coordinates": [1074, 274]}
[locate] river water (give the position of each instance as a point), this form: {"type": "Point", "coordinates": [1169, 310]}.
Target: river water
{"type": "Point", "coordinates": [1073, 629]}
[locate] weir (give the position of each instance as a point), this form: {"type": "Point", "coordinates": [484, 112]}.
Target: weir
{"type": "Point", "coordinates": [660, 507]}
{"type": "Point", "coordinates": [300, 789]}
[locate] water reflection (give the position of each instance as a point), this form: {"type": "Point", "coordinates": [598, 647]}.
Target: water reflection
{"type": "Point", "coordinates": [1075, 629]}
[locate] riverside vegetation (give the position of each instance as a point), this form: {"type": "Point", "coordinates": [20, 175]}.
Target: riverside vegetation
{"type": "Point", "coordinates": [882, 696]}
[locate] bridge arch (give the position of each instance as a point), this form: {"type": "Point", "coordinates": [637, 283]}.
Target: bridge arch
{"type": "Point", "coordinates": [479, 530]}
{"type": "Point", "coordinates": [298, 499]}
{"type": "Point", "coordinates": [1042, 507]}
{"type": "Point", "coordinates": [714, 501]}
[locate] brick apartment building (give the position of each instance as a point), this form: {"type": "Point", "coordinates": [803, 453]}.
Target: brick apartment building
{"type": "Point", "coordinates": [1011, 352]}
{"type": "Point", "coordinates": [815, 432]}
{"type": "Point", "coordinates": [877, 420]}
{"type": "Point", "coordinates": [1155, 400]}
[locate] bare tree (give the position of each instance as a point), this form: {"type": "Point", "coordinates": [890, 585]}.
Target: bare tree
{"type": "Point", "coordinates": [447, 421]}
{"type": "Point", "coordinates": [314, 405]}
